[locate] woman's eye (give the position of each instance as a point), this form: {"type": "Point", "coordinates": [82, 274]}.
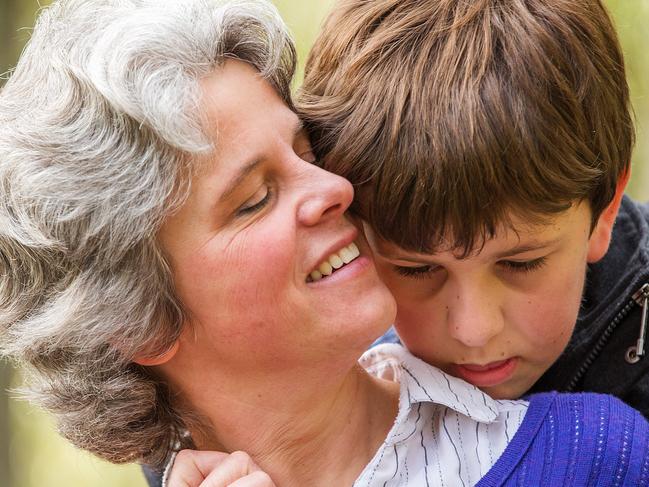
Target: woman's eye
{"type": "Point", "coordinates": [415, 272]}
{"type": "Point", "coordinates": [525, 266]}
{"type": "Point", "coordinates": [256, 203]}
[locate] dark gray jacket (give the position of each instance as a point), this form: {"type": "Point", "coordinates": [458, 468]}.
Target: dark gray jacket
{"type": "Point", "coordinates": [602, 355]}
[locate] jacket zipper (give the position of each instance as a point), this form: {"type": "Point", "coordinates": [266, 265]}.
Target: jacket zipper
{"type": "Point", "coordinates": [637, 351]}
{"type": "Point", "coordinates": [633, 353]}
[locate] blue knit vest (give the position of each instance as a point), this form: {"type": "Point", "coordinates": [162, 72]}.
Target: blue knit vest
{"type": "Point", "coordinates": [575, 440]}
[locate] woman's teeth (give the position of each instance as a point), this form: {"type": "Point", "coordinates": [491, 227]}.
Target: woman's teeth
{"type": "Point", "coordinates": [335, 261]}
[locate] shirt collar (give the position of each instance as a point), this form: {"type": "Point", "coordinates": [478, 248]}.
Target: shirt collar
{"type": "Point", "coordinates": [423, 383]}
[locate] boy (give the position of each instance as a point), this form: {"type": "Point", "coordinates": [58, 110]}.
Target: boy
{"type": "Point", "coordinates": [490, 143]}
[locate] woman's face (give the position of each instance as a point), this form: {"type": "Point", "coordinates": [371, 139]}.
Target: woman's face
{"type": "Point", "coordinates": [261, 217]}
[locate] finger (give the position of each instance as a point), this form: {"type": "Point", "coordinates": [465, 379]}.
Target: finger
{"type": "Point", "coordinates": [233, 468]}
{"type": "Point", "coordinates": [255, 479]}
{"type": "Point", "coordinates": [192, 467]}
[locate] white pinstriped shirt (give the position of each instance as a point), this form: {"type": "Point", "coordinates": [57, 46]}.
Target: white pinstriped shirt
{"type": "Point", "coordinates": [447, 432]}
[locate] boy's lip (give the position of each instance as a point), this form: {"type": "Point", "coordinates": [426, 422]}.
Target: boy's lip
{"type": "Point", "coordinates": [487, 375]}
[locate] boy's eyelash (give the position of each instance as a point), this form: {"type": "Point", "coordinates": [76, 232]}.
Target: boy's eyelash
{"type": "Point", "coordinates": [527, 266]}
{"type": "Point", "coordinates": [420, 272]}
{"type": "Point", "coordinates": [257, 206]}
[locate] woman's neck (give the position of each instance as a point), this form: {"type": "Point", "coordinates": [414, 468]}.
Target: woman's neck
{"type": "Point", "coordinates": [301, 430]}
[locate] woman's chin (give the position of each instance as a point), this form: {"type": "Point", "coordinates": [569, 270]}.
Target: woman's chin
{"type": "Point", "coordinates": [374, 319]}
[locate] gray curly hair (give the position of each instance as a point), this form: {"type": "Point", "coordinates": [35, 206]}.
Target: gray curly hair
{"type": "Point", "coordinates": [99, 126]}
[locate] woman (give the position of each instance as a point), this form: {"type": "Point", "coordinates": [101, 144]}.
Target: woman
{"type": "Point", "coordinates": [178, 273]}
{"type": "Point", "coordinates": [161, 218]}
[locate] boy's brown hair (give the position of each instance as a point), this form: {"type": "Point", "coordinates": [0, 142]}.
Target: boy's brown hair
{"type": "Point", "coordinates": [450, 116]}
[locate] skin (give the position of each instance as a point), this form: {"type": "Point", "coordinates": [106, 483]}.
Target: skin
{"type": "Point", "coordinates": [517, 298]}
{"type": "Point", "coordinates": [500, 317]}
{"type": "Point", "coordinates": [215, 469]}
{"type": "Point", "coordinates": [261, 342]}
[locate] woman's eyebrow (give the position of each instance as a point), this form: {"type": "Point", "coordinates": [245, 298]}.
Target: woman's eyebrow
{"type": "Point", "coordinates": [239, 178]}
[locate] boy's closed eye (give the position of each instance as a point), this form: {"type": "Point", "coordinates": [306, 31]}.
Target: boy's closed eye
{"type": "Point", "coordinates": [423, 271]}
{"type": "Point", "coordinates": [523, 266]}
{"type": "Point", "coordinates": [417, 272]}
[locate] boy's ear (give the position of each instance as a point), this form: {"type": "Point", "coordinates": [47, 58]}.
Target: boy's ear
{"type": "Point", "coordinates": [600, 237]}
{"type": "Point", "coordinates": [158, 359]}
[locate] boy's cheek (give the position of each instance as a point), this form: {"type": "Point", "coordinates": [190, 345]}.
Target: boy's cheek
{"type": "Point", "coordinates": [413, 319]}
{"type": "Point", "coordinates": [547, 326]}
{"type": "Point", "coordinates": [421, 331]}
{"type": "Point", "coordinates": [388, 275]}
{"type": "Point", "coordinates": [547, 319]}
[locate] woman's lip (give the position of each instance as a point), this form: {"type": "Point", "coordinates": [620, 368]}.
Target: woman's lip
{"type": "Point", "coordinates": [348, 271]}
{"type": "Point", "coordinates": [488, 375]}
{"type": "Point", "coordinates": [351, 237]}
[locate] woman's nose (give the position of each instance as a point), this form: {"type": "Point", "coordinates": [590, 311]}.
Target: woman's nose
{"type": "Point", "coordinates": [475, 316]}
{"type": "Point", "coordinates": [327, 196]}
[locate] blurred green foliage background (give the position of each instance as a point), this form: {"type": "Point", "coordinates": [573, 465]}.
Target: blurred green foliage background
{"type": "Point", "coordinates": [31, 453]}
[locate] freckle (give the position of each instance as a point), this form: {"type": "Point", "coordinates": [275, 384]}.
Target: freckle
{"type": "Point", "coordinates": [457, 297]}
{"type": "Point", "coordinates": [529, 302]}
{"type": "Point", "coordinates": [457, 328]}
{"type": "Point", "coordinates": [502, 354]}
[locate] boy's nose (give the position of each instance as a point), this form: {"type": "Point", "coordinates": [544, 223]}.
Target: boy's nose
{"type": "Point", "coordinates": [474, 317]}
{"type": "Point", "coordinates": [326, 196]}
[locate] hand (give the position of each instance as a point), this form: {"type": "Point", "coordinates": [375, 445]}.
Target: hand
{"type": "Point", "coordinates": [194, 468]}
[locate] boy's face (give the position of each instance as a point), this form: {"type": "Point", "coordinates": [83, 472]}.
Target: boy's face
{"type": "Point", "coordinates": [500, 317]}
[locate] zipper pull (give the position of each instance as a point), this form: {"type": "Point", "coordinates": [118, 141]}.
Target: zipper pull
{"type": "Point", "coordinates": [637, 351]}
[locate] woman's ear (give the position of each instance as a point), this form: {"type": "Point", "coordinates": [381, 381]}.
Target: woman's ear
{"type": "Point", "coordinates": [158, 359]}
{"type": "Point", "coordinates": [600, 237]}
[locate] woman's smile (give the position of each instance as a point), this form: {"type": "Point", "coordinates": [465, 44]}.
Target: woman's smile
{"type": "Point", "coordinates": [351, 263]}
{"type": "Point", "coordinates": [335, 261]}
